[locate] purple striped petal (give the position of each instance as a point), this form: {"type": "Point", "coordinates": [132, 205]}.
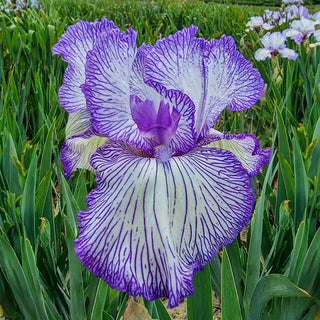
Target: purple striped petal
{"type": "Point", "coordinates": [113, 77]}
{"type": "Point", "coordinates": [245, 147]}
{"type": "Point", "coordinates": [151, 224]}
{"type": "Point", "coordinates": [74, 45]}
{"type": "Point", "coordinates": [212, 73]}
{"type": "Point", "coordinates": [107, 88]}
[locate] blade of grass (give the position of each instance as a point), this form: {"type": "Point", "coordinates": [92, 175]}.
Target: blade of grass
{"type": "Point", "coordinates": [230, 303]}
{"type": "Point", "coordinates": [199, 305]}
{"type": "Point", "coordinates": [254, 251]}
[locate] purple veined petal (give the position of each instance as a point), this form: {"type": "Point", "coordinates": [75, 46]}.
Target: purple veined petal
{"type": "Point", "coordinates": [276, 41]}
{"type": "Point", "coordinates": [107, 89]}
{"type": "Point", "coordinates": [185, 137]}
{"type": "Point", "coordinates": [74, 45]}
{"type": "Point", "coordinates": [212, 73]}
{"type": "Point", "coordinates": [245, 147]}
{"type": "Point", "coordinates": [262, 54]}
{"type": "Point", "coordinates": [288, 53]}
{"type": "Point", "coordinates": [150, 224]}
{"type": "Point", "coordinates": [136, 83]}
{"type": "Point", "coordinates": [76, 151]}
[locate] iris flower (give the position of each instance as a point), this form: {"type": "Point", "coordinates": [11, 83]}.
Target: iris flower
{"type": "Point", "coordinates": [170, 190]}
{"type": "Point", "coordinates": [256, 23]}
{"type": "Point", "coordinates": [274, 43]}
{"type": "Point", "coordinates": [301, 30]}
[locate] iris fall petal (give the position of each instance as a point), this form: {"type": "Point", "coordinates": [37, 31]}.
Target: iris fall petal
{"type": "Point", "coordinates": [149, 231]}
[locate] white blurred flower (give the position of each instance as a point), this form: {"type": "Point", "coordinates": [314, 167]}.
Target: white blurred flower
{"type": "Point", "coordinates": [256, 23]}
{"type": "Point", "coordinates": [300, 30]}
{"type": "Point", "coordinates": [274, 43]}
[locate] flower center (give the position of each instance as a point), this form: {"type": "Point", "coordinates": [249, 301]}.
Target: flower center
{"type": "Point", "coordinates": [158, 126]}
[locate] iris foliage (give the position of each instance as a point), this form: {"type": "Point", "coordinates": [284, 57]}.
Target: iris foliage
{"type": "Point", "coordinates": [269, 272]}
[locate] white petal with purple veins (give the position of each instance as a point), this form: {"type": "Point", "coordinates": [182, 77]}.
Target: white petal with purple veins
{"type": "Point", "coordinates": [212, 73]}
{"type": "Point", "coordinates": [262, 54]}
{"type": "Point", "coordinates": [151, 224]}
{"type": "Point", "coordinates": [107, 89]}
{"type": "Point", "coordinates": [74, 46]}
{"type": "Point", "coordinates": [288, 53]}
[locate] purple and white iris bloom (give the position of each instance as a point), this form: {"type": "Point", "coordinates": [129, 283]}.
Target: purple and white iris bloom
{"type": "Point", "coordinates": [296, 12]}
{"type": "Point", "coordinates": [170, 190]}
{"type": "Point", "coordinates": [300, 30]}
{"type": "Point", "coordinates": [256, 23]}
{"type": "Point", "coordinates": [274, 43]}
{"type": "Point", "coordinates": [298, 2]}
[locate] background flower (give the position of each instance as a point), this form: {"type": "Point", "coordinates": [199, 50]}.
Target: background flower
{"type": "Point", "coordinates": [274, 43]}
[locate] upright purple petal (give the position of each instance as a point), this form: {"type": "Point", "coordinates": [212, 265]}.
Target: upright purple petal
{"type": "Point", "coordinates": [74, 45]}
{"type": "Point", "coordinates": [151, 224]}
{"type": "Point", "coordinates": [107, 88]}
{"type": "Point", "coordinates": [212, 73]}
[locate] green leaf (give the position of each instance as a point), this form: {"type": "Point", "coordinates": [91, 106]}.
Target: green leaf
{"type": "Point", "coordinates": [77, 303]}
{"type": "Point", "coordinates": [299, 251]}
{"type": "Point", "coordinates": [311, 265]}
{"type": "Point", "coordinates": [8, 166]}
{"type": "Point", "coordinates": [199, 305]}
{"type": "Point", "coordinates": [162, 311]}
{"type": "Point", "coordinates": [254, 251]}
{"type": "Point", "coordinates": [271, 286]}
{"type": "Point", "coordinates": [28, 200]}
{"type": "Point", "coordinates": [46, 158]}
{"type": "Point", "coordinates": [230, 303]}
{"type": "Point", "coordinates": [16, 278]}
{"type": "Point", "coordinates": [32, 275]}
{"type": "Point", "coordinates": [315, 155]}
{"type": "Point", "coordinates": [100, 300]}
{"type": "Point", "coordinates": [301, 183]}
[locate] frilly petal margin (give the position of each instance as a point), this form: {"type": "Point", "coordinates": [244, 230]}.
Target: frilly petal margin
{"type": "Point", "coordinates": [77, 151]}
{"type": "Point", "coordinates": [150, 225]}
{"type": "Point", "coordinates": [245, 147]}
{"type": "Point", "coordinates": [74, 45]}
{"type": "Point", "coordinates": [212, 73]}
{"type": "Point", "coordinates": [107, 89]}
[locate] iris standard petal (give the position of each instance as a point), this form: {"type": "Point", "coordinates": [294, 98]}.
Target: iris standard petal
{"type": "Point", "coordinates": [245, 147]}
{"type": "Point", "coordinates": [107, 88]}
{"type": "Point", "coordinates": [136, 83]}
{"type": "Point", "coordinates": [212, 73]}
{"type": "Point", "coordinates": [150, 225]}
{"type": "Point", "coordinates": [74, 45]}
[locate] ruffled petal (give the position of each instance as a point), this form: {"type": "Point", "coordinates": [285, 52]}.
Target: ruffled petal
{"type": "Point", "coordinates": [212, 73]}
{"type": "Point", "coordinates": [245, 147]}
{"type": "Point", "coordinates": [136, 83]}
{"type": "Point", "coordinates": [288, 53]}
{"type": "Point", "coordinates": [74, 45]}
{"type": "Point", "coordinates": [107, 89]}
{"type": "Point", "coordinates": [262, 54]}
{"type": "Point", "coordinates": [77, 151]}
{"type": "Point", "coordinates": [150, 224]}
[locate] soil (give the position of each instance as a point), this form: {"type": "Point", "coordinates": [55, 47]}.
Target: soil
{"type": "Point", "coordinates": [180, 312]}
